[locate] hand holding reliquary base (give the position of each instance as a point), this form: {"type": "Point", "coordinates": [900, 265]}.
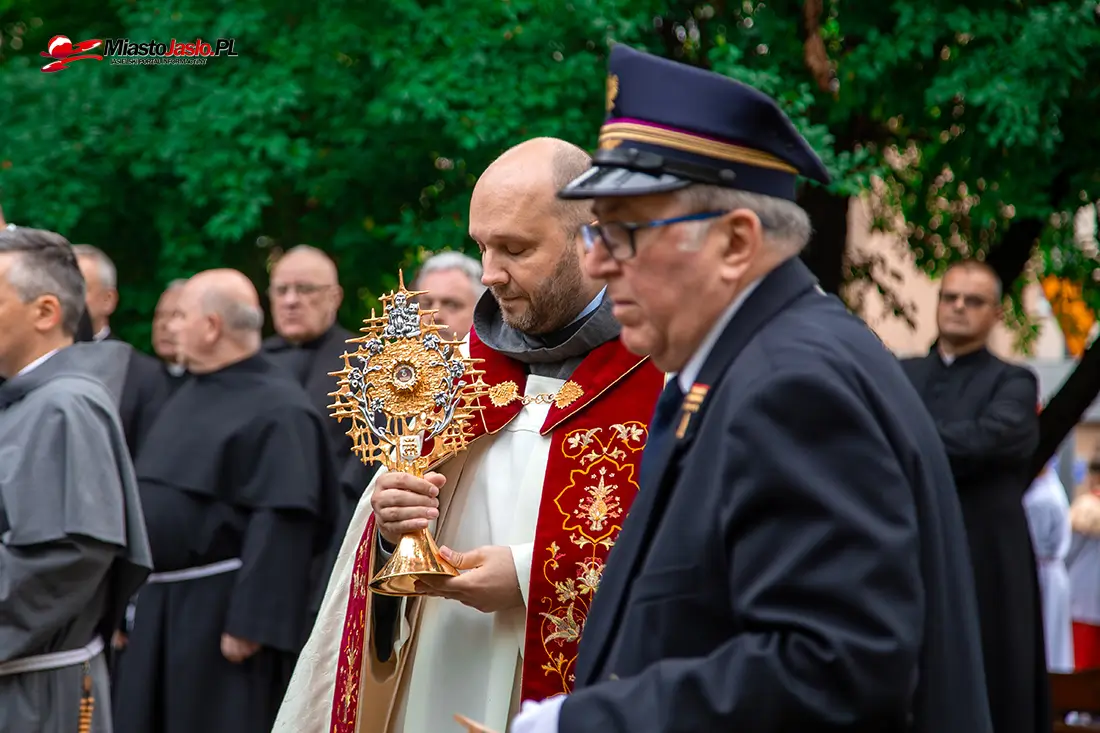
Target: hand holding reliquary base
{"type": "Point", "coordinates": [410, 395]}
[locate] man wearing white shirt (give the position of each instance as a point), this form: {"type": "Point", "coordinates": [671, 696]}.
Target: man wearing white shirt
{"type": "Point", "coordinates": [793, 561]}
{"type": "Point", "coordinates": [72, 542]}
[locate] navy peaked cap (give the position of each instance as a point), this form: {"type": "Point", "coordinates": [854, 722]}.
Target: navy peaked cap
{"type": "Point", "coordinates": [670, 125]}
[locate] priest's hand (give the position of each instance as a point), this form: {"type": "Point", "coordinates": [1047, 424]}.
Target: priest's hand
{"type": "Point", "coordinates": [403, 503]}
{"type": "Point", "coordinates": [237, 650]}
{"type": "Point", "coordinates": [489, 583]}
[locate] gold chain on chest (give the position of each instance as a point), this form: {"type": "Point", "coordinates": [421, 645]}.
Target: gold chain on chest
{"type": "Point", "coordinates": [506, 393]}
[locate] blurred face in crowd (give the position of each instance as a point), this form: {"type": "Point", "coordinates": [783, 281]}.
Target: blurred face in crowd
{"type": "Point", "coordinates": [305, 295]}
{"type": "Point", "coordinates": [672, 289]}
{"type": "Point", "coordinates": [23, 326]}
{"type": "Point", "coordinates": [164, 341]}
{"type": "Point", "coordinates": [451, 293]}
{"type": "Point", "coordinates": [531, 261]}
{"type": "Point", "coordinates": [100, 300]}
{"type": "Point", "coordinates": [194, 332]}
{"type": "Point", "coordinates": [969, 307]}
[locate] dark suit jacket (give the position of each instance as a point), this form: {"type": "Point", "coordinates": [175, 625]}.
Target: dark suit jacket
{"type": "Point", "coordinates": [796, 560]}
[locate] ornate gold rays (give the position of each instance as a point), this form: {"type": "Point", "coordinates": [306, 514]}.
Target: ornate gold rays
{"type": "Point", "coordinates": [410, 395]}
{"type": "Point", "coordinates": [405, 386]}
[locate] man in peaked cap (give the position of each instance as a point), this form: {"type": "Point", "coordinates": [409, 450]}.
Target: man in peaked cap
{"type": "Point", "coordinates": [796, 558]}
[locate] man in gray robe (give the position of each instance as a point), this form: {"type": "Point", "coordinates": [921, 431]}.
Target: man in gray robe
{"type": "Point", "coordinates": [72, 542]}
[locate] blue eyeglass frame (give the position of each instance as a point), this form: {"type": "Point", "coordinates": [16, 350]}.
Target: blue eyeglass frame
{"type": "Point", "coordinates": [621, 253]}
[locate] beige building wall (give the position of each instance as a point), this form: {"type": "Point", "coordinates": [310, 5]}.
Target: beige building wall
{"type": "Point", "coordinates": [918, 294]}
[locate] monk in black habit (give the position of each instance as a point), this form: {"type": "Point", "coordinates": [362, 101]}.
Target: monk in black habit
{"type": "Point", "coordinates": [309, 344]}
{"type": "Point", "coordinates": [985, 411]}
{"type": "Point", "coordinates": [235, 482]}
{"type": "Point", "coordinates": [72, 542]}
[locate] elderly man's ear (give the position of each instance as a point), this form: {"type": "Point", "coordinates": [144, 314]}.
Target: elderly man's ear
{"type": "Point", "coordinates": [740, 238]}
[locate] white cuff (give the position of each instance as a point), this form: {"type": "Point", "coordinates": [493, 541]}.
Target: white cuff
{"type": "Point", "coordinates": [382, 551]}
{"type": "Point", "coordinates": [539, 717]}
{"type": "Point", "coordinates": [522, 556]}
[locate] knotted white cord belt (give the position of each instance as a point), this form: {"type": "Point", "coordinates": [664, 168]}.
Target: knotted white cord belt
{"type": "Point", "coordinates": [53, 660]}
{"type": "Point", "coordinates": [202, 571]}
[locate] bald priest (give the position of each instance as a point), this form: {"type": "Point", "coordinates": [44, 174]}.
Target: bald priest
{"type": "Point", "coordinates": [532, 507]}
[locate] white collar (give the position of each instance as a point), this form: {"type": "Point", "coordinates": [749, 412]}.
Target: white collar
{"type": "Point", "coordinates": [103, 333]}
{"type": "Point", "coordinates": [37, 363]}
{"type": "Point", "coordinates": [694, 365]}
{"type": "Point", "coordinates": [593, 305]}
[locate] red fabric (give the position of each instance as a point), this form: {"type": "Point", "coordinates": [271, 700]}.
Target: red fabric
{"type": "Point", "coordinates": [1086, 646]}
{"type": "Point", "coordinates": [345, 703]}
{"type": "Point", "coordinates": [591, 482]}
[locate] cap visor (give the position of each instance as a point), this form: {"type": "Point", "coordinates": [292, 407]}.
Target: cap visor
{"type": "Point", "coordinates": [605, 181]}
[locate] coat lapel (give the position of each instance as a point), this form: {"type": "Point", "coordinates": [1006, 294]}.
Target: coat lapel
{"type": "Point", "coordinates": [776, 292]}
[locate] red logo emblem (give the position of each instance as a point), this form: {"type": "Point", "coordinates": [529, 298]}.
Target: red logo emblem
{"type": "Point", "coordinates": [64, 52]}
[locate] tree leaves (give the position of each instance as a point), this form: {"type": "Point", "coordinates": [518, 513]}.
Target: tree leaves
{"type": "Point", "coordinates": [363, 133]}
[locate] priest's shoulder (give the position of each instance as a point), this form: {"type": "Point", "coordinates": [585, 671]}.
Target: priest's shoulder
{"type": "Point", "coordinates": [1013, 367]}
{"type": "Point", "coordinates": [1010, 370]}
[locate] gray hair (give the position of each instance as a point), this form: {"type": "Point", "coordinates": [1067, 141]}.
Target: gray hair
{"type": "Point", "coordinates": [108, 274]}
{"type": "Point", "coordinates": [443, 261]}
{"type": "Point", "coordinates": [46, 265]}
{"type": "Point", "coordinates": [786, 225]}
{"type": "Point", "coordinates": [238, 316]}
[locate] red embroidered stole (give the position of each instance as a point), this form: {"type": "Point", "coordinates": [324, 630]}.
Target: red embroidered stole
{"type": "Point", "coordinates": [591, 481]}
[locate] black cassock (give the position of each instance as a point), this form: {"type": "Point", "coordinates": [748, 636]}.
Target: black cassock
{"type": "Point", "coordinates": [144, 394]}
{"type": "Point", "coordinates": [985, 411]}
{"type": "Point", "coordinates": [795, 559]}
{"type": "Point", "coordinates": [311, 365]}
{"type": "Point", "coordinates": [235, 467]}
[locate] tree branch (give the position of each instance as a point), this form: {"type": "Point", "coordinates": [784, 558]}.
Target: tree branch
{"type": "Point", "coordinates": [1067, 406]}
{"type": "Point", "coordinates": [814, 54]}
{"type": "Point", "coordinates": [825, 253]}
{"type": "Point", "coordinates": [1011, 254]}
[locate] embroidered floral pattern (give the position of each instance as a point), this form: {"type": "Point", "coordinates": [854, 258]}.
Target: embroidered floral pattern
{"type": "Point", "coordinates": [591, 508]}
{"type": "Point", "coordinates": [345, 708]}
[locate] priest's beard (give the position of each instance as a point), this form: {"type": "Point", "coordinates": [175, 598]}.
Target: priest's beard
{"type": "Point", "coordinates": [554, 304]}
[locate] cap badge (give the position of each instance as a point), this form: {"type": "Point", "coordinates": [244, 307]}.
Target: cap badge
{"type": "Point", "coordinates": [612, 91]}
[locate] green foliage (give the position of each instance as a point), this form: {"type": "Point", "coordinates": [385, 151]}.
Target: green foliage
{"type": "Point", "coordinates": [363, 131]}
{"type": "Point", "coordinates": [993, 121]}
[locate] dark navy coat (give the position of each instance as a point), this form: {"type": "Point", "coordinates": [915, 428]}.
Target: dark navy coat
{"type": "Point", "coordinates": [796, 559]}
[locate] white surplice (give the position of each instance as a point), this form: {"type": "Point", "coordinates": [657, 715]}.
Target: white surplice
{"type": "Point", "coordinates": [1047, 508]}
{"type": "Point", "coordinates": [464, 661]}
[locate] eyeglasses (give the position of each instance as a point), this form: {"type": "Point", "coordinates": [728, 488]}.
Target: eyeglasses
{"type": "Point", "coordinates": [972, 302]}
{"type": "Point", "coordinates": [618, 239]}
{"type": "Point", "coordinates": [302, 289]}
